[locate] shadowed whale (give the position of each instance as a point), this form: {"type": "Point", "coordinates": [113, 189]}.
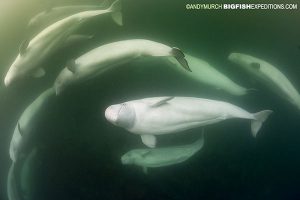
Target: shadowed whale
{"type": "Point", "coordinates": [19, 179]}
{"type": "Point", "coordinates": [27, 122]}
{"type": "Point", "coordinates": [164, 115]}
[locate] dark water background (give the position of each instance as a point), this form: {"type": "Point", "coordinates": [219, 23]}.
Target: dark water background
{"type": "Point", "coordinates": [79, 156]}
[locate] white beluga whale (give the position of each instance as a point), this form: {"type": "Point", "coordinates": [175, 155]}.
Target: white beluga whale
{"type": "Point", "coordinates": [165, 115]}
{"type": "Point", "coordinates": [53, 14]}
{"type": "Point", "coordinates": [160, 157]}
{"type": "Point", "coordinates": [103, 58]}
{"type": "Point", "coordinates": [268, 75]}
{"type": "Point", "coordinates": [34, 52]}
{"type": "Point", "coordinates": [27, 122]}
{"type": "Point", "coordinates": [206, 74]}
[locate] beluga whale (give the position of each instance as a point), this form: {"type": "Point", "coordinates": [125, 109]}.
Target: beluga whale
{"type": "Point", "coordinates": [34, 52]}
{"type": "Point", "coordinates": [206, 74]}
{"type": "Point", "coordinates": [28, 120]}
{"type": "Point", "coordinates": [54, 14]}
{"type": "Point", "coordinates": [165, 115]}
{"type": "Point", "coordinates": [19, 179]}
{"type": "Point", "coordinates": [269, 75]}
{"type": "Point", "coordinates": [108, 56]}
{"type": "Point", "coordinates": [161, 157]}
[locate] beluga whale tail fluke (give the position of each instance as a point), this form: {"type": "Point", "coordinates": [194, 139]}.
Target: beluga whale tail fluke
{"type": "Point", "coordinates": [116, 15]}
{"type": "Point", "coordinates": [258, 120]}
{"type": "Point", "coordinates": [180, 57]}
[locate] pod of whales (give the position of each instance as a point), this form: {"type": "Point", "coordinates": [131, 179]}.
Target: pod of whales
{"type": "Point", "coordinates": [34, 52]}
{"type": "Point", "coordinates": [111, 55]}
{"type": "Point", "coordinates": [147, 117]}
{"type": "Point", "coordinates": [164, 115]}
{"type": "Point", "coordinates": [268, 75]}
{"type": "Point", "coordinates": [160, 157]}
{"type": "Point", "coordinates": [206, 74]}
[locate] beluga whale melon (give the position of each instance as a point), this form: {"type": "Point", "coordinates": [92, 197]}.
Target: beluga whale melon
{"type": "Point", "coordinates": [160, 157]}
{"type": "Point", "coordinates": [269, 75]}
{"type": "Point", "coordinates": [165, 115]}
{"type": "Point", "coordinates": [33, 53]}
{"type": "Point", "coordinates": [108, 56]}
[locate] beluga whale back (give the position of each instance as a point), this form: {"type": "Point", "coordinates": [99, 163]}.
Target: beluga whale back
{"type": "Point", "coordinates": [103, 58]}
{"type": "Point", "coordinates": [268, 75]}
{"type": "Point", "coordinates": [34, 52]}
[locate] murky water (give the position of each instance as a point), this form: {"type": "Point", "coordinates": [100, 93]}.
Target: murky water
{"type": "Point", "coordinates": [79, 151]}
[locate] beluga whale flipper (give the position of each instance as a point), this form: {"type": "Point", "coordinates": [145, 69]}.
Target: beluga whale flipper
{"type": "Point", "coordinates": [160, 157]}
{"type": "Point", "coordinates": [165, 115]}
{"type": "Point", "coordinates": [26, 124]}
{"type": "Point", "coordinates": [206, 74]}
{"type": "Point", "coordinates": [35, 51]}
{"type": "Point", "coordinates": [268, 75]}
{"type": "Point", "coordinates": [103, 58]}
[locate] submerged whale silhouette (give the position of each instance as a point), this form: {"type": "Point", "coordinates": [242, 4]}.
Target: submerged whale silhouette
{"type": "Point", "coordinates": [160, 157]}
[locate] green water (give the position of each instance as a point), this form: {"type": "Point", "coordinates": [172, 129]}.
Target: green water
{"type": "Point", "coordinates": [79, 156]}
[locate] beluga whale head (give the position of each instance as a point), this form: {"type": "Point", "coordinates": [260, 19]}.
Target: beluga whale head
{"type": "Point", "coordinates": [134, 156]}
{"type": "Point", "coordinates": [122, 115]}
{"type": "Point", "coordinates": [248, 62]}
{"type": "Point", "coordinates": [15, 71]}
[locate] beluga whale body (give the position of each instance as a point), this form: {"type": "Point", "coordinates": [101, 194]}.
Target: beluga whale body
{"type": "Point", "coordinates": [54, 14]}
{"type": "Point", "coordinates": [205, 73]}
{"type": "Point", "coordinates": [165, 115]}
{"type": "Point", "coordinates": [103, 58]}
{"type": "Point", "coordinates": [32, 53]}
{"type": "Point", "coordinates": [26, 124]}
{"type": "Point", "coordinates": [160, 157]}
{"type": "Point", "coordinates": [19, 179]}
{"type": "Point", "coordinates": [268, 75]}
